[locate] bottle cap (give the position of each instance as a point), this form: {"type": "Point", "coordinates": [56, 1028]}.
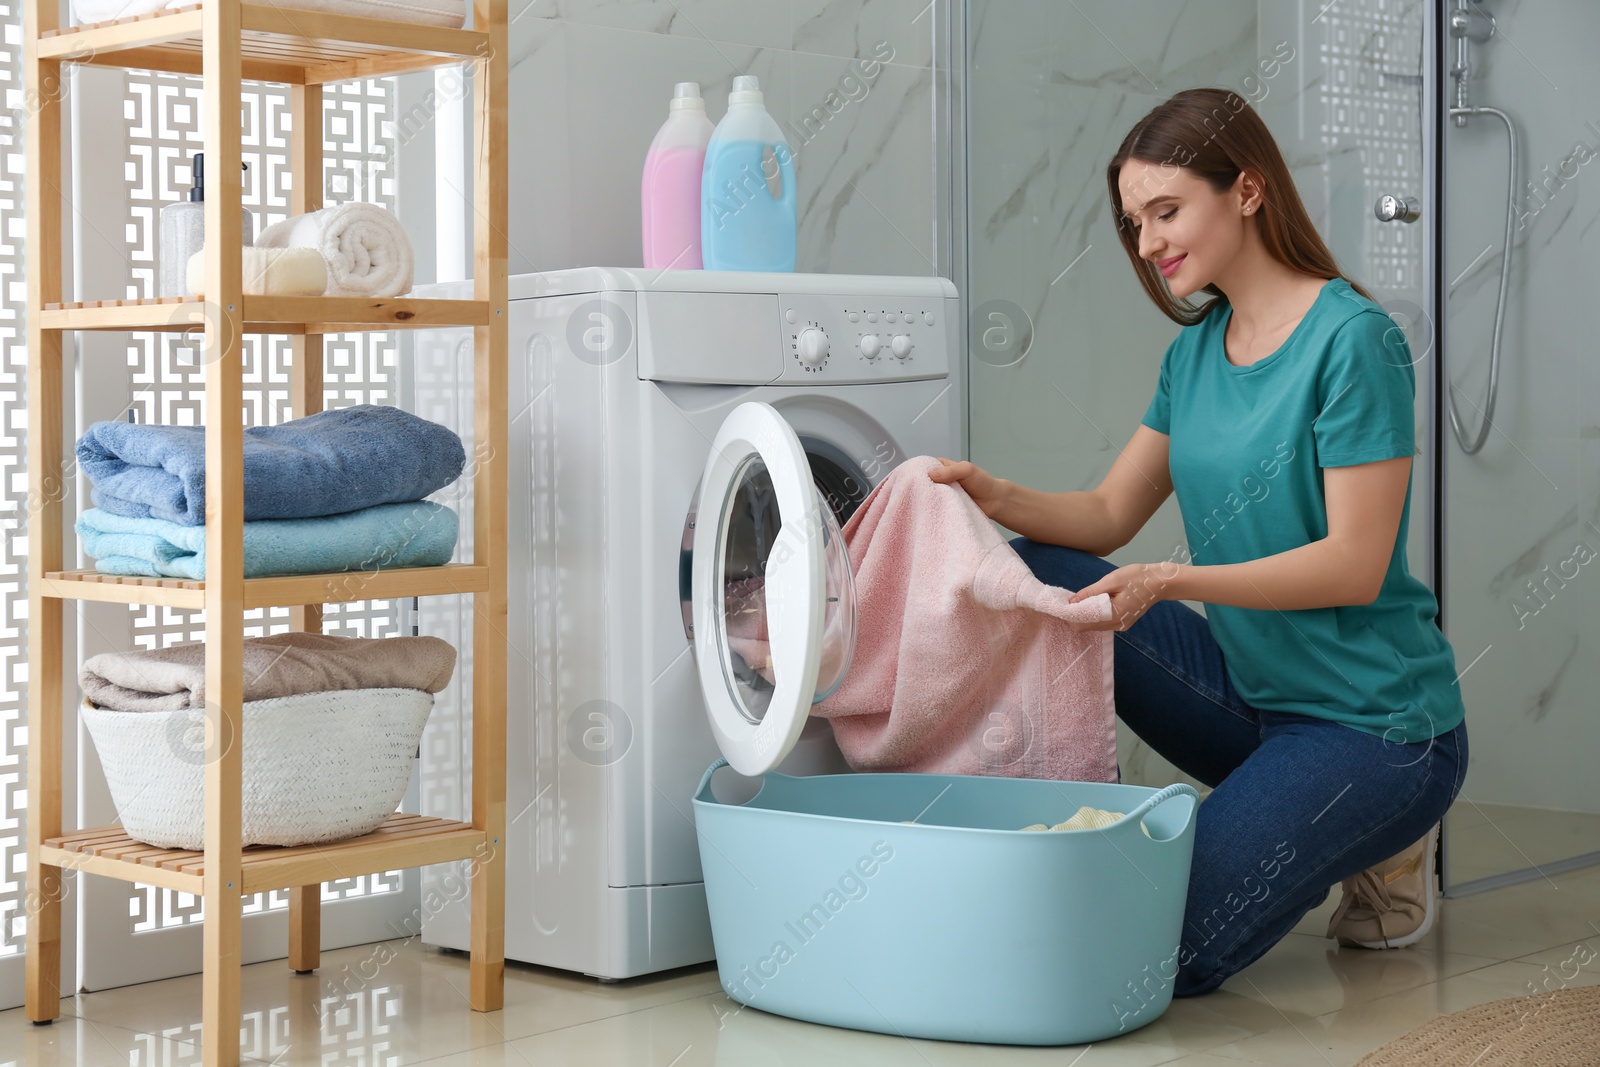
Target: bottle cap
{"type": "Point", "coordinates": [687, 95]}
{"type": "Point", "coordinates": [746, 90]}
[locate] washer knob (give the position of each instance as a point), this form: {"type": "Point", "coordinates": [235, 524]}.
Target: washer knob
{"type": "Point", "coordinates": [900, 345]}
{"type": "Point", "coordinates": [871, 345]}
{"type": "Point", "coordinates": [813, 346]}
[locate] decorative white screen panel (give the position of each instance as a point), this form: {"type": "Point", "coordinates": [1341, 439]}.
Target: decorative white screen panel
{"type": "Point", "coordinates": [13, 491]}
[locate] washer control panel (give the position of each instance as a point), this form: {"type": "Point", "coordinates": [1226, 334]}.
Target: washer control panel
{"type": "Point", "coordinates": [855, 339]}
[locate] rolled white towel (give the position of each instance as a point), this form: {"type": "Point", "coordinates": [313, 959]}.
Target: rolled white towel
{"type": "Point", "coordinates": [367, 250]}
{"type": "Point", "coordinates": [270, 271]}
{"type": "Point", "coordinates": [451, 13]}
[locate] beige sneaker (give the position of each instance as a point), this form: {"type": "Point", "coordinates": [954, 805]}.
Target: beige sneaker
{"type": "Point", "coordinates": [1390, 905]}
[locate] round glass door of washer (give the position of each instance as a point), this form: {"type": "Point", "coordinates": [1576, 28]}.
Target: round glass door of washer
{"type": "Point", "coordinates": [773, 595]}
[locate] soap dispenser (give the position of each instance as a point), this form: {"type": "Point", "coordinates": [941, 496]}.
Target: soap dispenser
{"type": "Point", "coordinates": [183, 229]}
{"type": "Point", "coordinates": [748, 209]}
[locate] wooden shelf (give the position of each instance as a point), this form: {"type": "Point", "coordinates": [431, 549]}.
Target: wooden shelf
{"type": "Point", "coordinates": [271, 314]}
{"type": "Point", "coordinates": [403, 841]}
{"type": "Point", "coordinates": [225, 42]}
{"type": "Point", "coordinates": [276, 45]}
{"type": "Point", "coordinates": [287, 590]}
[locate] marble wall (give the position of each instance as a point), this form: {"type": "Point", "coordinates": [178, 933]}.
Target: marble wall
{"type": "Point", "coordinates": [590, 83]}
{"type": "Point", "coordinates": [1522, 517]}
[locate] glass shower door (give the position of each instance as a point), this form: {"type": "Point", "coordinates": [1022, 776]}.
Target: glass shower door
{"type": "Point", "coordinates": [1521, 516]}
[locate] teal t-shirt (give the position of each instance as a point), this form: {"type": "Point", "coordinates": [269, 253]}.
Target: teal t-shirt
{"type": "Point", "coordinates": [1247, 448]}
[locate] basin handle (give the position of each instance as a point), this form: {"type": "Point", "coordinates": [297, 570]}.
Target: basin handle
{"type": "Point", "coordinates": [1155, 800]}
{"type": "Point", "coordinates": [703, 792]}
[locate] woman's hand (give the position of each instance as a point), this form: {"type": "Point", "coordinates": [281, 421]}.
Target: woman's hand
{"type": "Point", "coordinates": [1134, 590]}
{"type": "Point", "coordinates": [986, 491]}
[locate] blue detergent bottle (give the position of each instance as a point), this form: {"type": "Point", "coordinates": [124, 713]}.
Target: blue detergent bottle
{"type": "Point", "coordinates": [748, 210]}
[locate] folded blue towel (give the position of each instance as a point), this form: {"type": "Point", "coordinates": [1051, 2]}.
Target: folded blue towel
{"type": "Point", "coordinates": [414, 534]}
{"type": "Point", "coordinates": [324, 464]}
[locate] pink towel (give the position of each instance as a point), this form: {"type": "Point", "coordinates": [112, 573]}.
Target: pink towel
{"type": "Point", "coordinates": [964, 661]}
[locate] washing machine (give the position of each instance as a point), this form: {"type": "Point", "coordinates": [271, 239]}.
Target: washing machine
{"type": "Point", "coordinates": [621, 380]}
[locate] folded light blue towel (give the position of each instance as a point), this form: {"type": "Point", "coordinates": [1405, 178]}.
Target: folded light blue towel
{"type": "Point", "coordinates": [324, 464]}
{"type": "Point", "coordinates": [414, 534]}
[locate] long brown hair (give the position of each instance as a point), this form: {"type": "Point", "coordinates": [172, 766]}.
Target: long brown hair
{"type": "Point", "coordinates": [1216, 135]}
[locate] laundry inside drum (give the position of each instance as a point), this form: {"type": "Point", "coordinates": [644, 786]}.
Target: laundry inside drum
{"type": "Point", "coordinates": [753, 531]}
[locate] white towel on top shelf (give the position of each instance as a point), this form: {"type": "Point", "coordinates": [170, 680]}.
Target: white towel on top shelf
{"type": "Point", "coordinates": [366, 248]}
{"type": "Point", "coordinates": [451, 13]}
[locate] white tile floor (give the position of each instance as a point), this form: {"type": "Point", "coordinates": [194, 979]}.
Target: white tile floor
{"type": "Point", "coordinates": [1307, 1001]}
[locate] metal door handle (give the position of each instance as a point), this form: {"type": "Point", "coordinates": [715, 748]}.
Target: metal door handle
{"type": "Point", "coordinates": [1401, 208]}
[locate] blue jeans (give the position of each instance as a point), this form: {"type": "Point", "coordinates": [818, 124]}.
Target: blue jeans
{"type": "Point", "coordinates": [1297, 804]}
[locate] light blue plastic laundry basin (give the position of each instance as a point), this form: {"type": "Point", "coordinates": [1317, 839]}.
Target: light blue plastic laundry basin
{"type": "Point", "coordinates": [826, 906]}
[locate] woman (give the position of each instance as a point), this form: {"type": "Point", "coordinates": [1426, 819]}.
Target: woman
{"type": "Point", "coordinates": [1317, 695]}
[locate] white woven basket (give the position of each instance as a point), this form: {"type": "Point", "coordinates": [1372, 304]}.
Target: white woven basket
{"type": "Point", "coordinates": [317, 767]}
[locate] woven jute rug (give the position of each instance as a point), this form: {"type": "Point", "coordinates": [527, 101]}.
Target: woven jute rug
{"type": "Point", "coordinates": [1557, 1029]}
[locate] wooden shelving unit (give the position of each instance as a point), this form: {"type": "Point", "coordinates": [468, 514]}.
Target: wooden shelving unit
{"type": "Point", "coordinates": [227, 42]}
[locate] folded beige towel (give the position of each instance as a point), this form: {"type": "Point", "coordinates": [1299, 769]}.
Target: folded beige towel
{"type": "Point", "coordinates": [281, 665]}
{"type": "Point", "coordinates": [270, 272]}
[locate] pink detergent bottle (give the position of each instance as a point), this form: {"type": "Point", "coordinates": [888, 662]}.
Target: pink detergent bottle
{"type": "Point", "coordinates": [670, 192]}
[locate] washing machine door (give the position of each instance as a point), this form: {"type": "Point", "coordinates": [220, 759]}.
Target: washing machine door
{"type": "Point", "coordinates": [772, 594]}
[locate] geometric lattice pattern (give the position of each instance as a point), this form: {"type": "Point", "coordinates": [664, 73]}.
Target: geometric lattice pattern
{"type": "Point", "coordinates": [163, 112]}
{"type": "Point", "coordinates": [442, 369]}
{"type": "Point", "coordinates": [1367, 102]}
{"type": "Point", "coordinates": [13, 489]}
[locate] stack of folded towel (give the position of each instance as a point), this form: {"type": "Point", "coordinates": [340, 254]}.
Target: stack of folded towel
{"type": "Point", "coordinates": [281, 665]}
{"type": "Point", "coordinates": [336, 491]}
